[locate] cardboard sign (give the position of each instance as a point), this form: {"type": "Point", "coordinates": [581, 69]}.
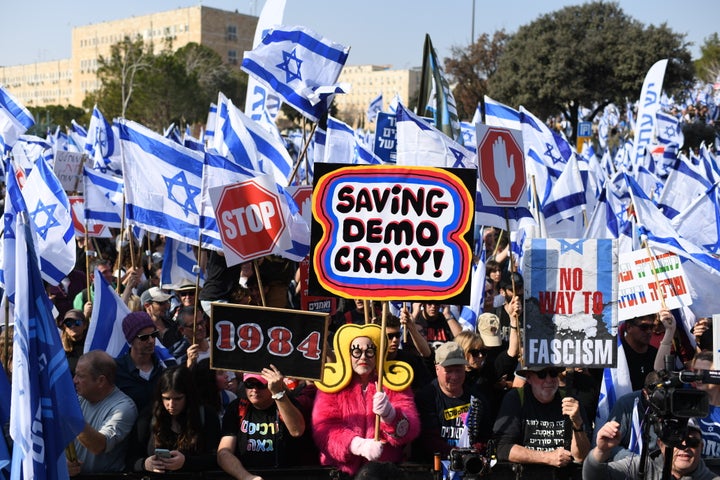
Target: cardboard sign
{"type": "Point", "coordinates": [312, 303]}
{"type": "Point", "coordinates": [387, 232]}
{"type": "Point", "coordinates": [68, 169]}
{"type": "Point", "coordinates": [248, 338]}
{"type": "Point", "coordinates": [571, 302]}
{"type": "Point", "coordinates": [638, 292]}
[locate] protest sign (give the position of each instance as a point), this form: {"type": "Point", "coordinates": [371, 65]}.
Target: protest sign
{"type": "Point", "coordinates": [638, 292]}
{"type": "Point", "coordinates": [388, 232]}
{"type": "Point", "coordinates": [571, 302]}
{"type": "Point", "coordinates": [249, 338]}
{"type": "Point", "coordinates": [68, 169]}
{"type": "Point", "coordinates": [312, 303]}
{"type": "Point", "coordinates": [386, 138]}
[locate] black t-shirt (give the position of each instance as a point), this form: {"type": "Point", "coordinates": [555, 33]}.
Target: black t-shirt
{"type": "Point", "coordinates": [435, 329]}
{"type": "Point", "coordinates": [221, 281]}
{"type": "Point", "coordinates": [262, 440]}
{"type": "Point", "coordinates": [639, 364]}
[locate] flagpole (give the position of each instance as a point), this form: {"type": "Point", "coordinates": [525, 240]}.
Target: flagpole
{"type": "Point", "coordinates": [302, 155]}
{"type": "Point", "coordinates": [259, 280]}
{"type": "Point", "coordinates": [6, 334]}
{"type": "Point", "coordinates": [536, 200]}
{"type": "Point", "coordinates": [380, 362]}
{"type": "Point", "coordinates": [122, 229]}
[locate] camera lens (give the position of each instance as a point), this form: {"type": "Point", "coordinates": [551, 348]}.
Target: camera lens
{"type": "Point", "coordinates": [473, 464]}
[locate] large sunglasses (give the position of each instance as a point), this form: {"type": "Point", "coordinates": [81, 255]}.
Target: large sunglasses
{"type": "Point", "coordinates": [358, 352]}
{"type": "Point", "coordinates": [147, 336]}
{"type": "Point", "coordinates": [393, 336]}
{"type": "Point", "coordinates": [73, 322]}
{"type": "Point", "coordinates": [477, 352]}
{"type": "Point", "coordinates": [690, 442]}
{"type": "Point", "coordinates": [645, 327]}
{"type": "Point", "coordinates": [254, 385]}
{"type": "Point", "coordinates": [542, 374]}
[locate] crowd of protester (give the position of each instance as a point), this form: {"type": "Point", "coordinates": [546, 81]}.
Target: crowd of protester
{"type": "Point", "coordinates": [146, 414]}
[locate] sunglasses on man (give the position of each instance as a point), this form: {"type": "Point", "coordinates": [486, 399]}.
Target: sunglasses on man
{"type": "Point", "coordinates": [147, 336]}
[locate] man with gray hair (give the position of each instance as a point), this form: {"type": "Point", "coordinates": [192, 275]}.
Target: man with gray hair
{"type": "Point", "coordinates": [109, 416]}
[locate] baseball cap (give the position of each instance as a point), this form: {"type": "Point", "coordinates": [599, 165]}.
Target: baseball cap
{"type": "Point", "coordinates": [450, 353]}
{"type": "Point", "coordinates": [255, 376]}
{"type": "Point", "coordinates": [489, 329]}
{"type": "Point", "coordinates": [154, 294]}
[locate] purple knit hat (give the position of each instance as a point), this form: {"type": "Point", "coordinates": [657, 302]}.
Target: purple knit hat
{"type": "Point", "coordinates": [134, 322]}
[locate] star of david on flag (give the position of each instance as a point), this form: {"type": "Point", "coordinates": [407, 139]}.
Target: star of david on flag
{"type": "Point", "coordinates": [43, 218]}
{"type": "Point", "coordinates": [301, 66]}
{"type": "Point", "coordinates": [179, 184]}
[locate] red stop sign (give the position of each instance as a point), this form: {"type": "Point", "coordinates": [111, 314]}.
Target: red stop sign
{"type": "Point", "coordinates": [250, 220]}
{"type": "Point", "coordinates": [502, 168]}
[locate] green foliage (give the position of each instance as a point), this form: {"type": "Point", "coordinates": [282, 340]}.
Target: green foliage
{"type": "Point", "coordinates": [52, 116]}
{"type": "Point", "coordinates": [469, 69]}
{"type": "Point", "coordinates": [708, 65]}
{"type": "Point", "coordinates": [583, 55]}
{"type": "Point", "coordinates": [170, 86]}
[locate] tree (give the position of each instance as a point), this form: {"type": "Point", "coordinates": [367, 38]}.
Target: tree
{"type": "Point", "coordinates": [469, 69]}
{"type": "Point", "coordinates": [708, 65]}
{"type": "Point", "coordinates": [48, 118]}
{"type": "Point", "coordinates": [591, 55]}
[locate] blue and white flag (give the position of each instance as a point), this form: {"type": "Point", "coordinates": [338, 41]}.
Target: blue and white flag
{"type": "Point", "coordinates": [419, 143]}
{"type": "Point", "coordinates": [49, 210]}
{"type": "Point", "coordinates": [103, 198]}
{"type": "Point", "coordinates": [668, 129]}
{"type": "Point", "coordinates": [46, 414]}
{"type": "Point", "coordinates": [300, 65]}
{"type": "Point", "coordinates": [163, 182]}
{"type": "Point", "coordinates": [105, 330]}
{"type": "Point", "coordinates": [567, 197]}
{"type": "Point", "coordinates": [262, 104]}
{"type": "Point", "coordinates": [15, 119]}
{"type": "Point", "coordinates": [609, 220]}
{"type": "Point", "coordinates": [191, 142]}
{"type": "Point", "coordinates": [500, 115]}
{"type": "Point", "coordinates": [342, 145]}
{"type": "Point", "coordinates": [248, 144]}
{"type": "Point", "coordinates": [14, 203]}
{"type": "Point", "coordinates": [179, 262]}
{"type": "Point", "coordinates": [683, 185]}
{"type": "Point", "coordinates": [210, 124]}
{"type": "Point", "coordinates": [396, 100]}
{"type": "Point", "coordinates": [102, 144]}
{"type": "Point", "coordinates": [435, 98]}
{"type": "Point", "coordinates": [470, 313]}
{"type": "Point", "coordinates": [29, 148]}
{"type": "Point", "coordinates": [701, 268]}
{"type": "Point", "coordinates": [468, 133]}
{"type": "Point", "coordinates": [77, 136]}
{"type": "Point", "coordinates": [375, 107]}
{"type": "Point", "coordinates": [615, 383]}
{"type": "Point", "coordinates": [700, 221]}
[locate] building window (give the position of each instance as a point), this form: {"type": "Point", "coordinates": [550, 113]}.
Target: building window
{"type": "Point", "coordinates": [232, 57]}
{"type": "Point", "coordinates": [231, 33]}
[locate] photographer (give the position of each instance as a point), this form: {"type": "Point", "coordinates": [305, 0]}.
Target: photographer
{"type": "Point", "coordinates": [686, 461]}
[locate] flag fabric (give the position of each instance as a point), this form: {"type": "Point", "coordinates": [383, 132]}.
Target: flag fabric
{"type": "Point", "coordinates": [668, 129]}
{"type": "Point", "coordinates": [179, 262]}
{"type": "Point", "coordinates": [500, 115]}
{"type": "Point", "coordinates": [162, 183]}
{"type": "Point", "coordinates": [49, 210]}
{"type": "Point", "coordinates": [15, 119]}
{"type": "Point", "coordinates": [342, 145]}
{"type": "Point", "coordinates": [262, 104]}
{"type": "Point", "coordinates": [567, 197]}
{"type": "Point", "coordinates": [469, 136]}
{"type": "Point", "coordinates": [649, 105]}
{"type": "Point", "coordinates": [105, 329]}
{"type": "Point", "coordinates": [77, 136]}
{"type": "Point", "coordinates": [608, 220]}
{"type": "Point", "coordinates": [5, 394]}
{"type": "Point", "coordinates": [210, 124]}
{"type": "Point", "coordinates": [683, 185]}
{"type": "Point", "coordinates": [191, 142]}
{"type": "Point", "coordinates": [29, 148]}
{"type": "Point", "coordinates": [435, 98]}
{"type": "Point", "coordinates": [102, 145]}
{"type": "Point", "coordinates": [702, 269]}
{"type": "Point", "coordinates": [375, 107]}
{"type": "Point", "coordinates": [103, 198]}
{"type": "Point", "coordinates": [46, 414]}
{"type": "Point", "coordinates": [248, 144]}
{"type": "Point", "coordinates": [421, 144]}
{"type": "Point", "coordinates": [470, 313]}
{"type": "Point", "coordinates": [615, 383]}
{"type": "Point", "coordinates": [301, 66]}
{"type": "Point", "coordinates": [705, 233]}
{"type": "Point", "coordinates": [14, 203]}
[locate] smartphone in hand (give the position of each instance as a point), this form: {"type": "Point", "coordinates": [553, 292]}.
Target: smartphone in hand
{"type": "Point", "coordinates": [162, 453]}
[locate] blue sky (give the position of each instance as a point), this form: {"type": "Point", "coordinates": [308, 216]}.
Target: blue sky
{"type": "Point", "coordinates": [378, 31]}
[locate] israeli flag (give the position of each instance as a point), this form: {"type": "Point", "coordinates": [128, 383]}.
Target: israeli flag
{"type": "Point", "coordinates": [668, 129]}
{"type": "Point", "coordinates": [101, 144]}
{"type": "Point", "coordinates": [103, 198]}
{"type": "Point", "coordinates": [179, 262]}
{"type": "Point", "coordinates": [300, 65]}
{"type": "Point", "coordinates": [567, 197]}
{"type": "Point", "coordinates": [15, 119]}
{"type": "Point", "coordinates": [163, 183]}
{"type": "Point", "coordinates": [210, 124]}
{"type": "Point", "coordinates": [683, 185]}
{"type": "Point", "coordinates": [500, 115]}
{"type": "Point", "coordinates": [77, 137]}
{"type": "Point", "coordinates": [248, 144]}
{"type": "Point", "coordinates": [105, 330]}
{"type": "Point", "coordinates": [191, 142]}
{"type": "Point", "coordinates": [50, 215]}
{"type": "Point", "coordinates": [375, 107]}
{"type": "Point", "coordinates": [468, 134]}
{"type": "Point", "coordinates": [342, 145]}
{"type": "Point", "coordinates": [419, 143]}
{"type": "Point", "coordinates": [615, 383]}
{"type": "Point", "coordinates": [14, 203]}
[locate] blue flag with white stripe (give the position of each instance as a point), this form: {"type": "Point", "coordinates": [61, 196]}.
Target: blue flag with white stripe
{"type": "Point", "coordinates": [375, 107]}
{"type": "Point", "coordinates": [162, 183]}
{"type": "Point", "coordinates": [500, 115]}
{"type": "Point", "coordinates": [470, 313]}
{"type": "Point", "coordinates": [103, 198]}
{"type": "Point", "coordinates": [105, 329]}
{"type": "Point", "coordinates": [49, 210]}
{"type": "Point", "coordinates": [102, 144]}
{"type": "Point", "coordinates": [301, 66]}
{"type": "Point", "coordinates": [342, 145]}
{"type": "Point", "coordinates": [15, 119]}
{"type": "Point", "coordinates": [179, 262]}
{"type": "Point", "coordinates": [46, 414]}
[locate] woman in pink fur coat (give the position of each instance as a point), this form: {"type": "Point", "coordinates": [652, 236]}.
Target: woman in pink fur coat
{"type": "Point", "coordinates": [348, 402]}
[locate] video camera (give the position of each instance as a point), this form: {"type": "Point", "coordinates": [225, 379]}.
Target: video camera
{"type": "Point", "coordinates": [671, 404]}
{"type": "Point", "coordinates": [470, 461]}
